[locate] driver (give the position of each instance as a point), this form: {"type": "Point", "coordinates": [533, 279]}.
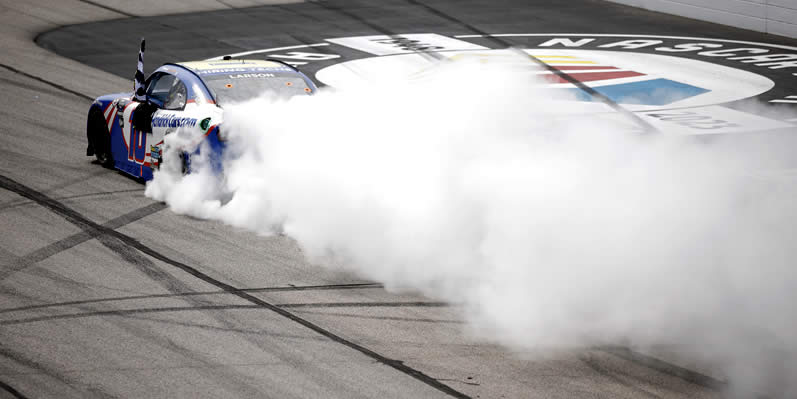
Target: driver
{"type": "Point", "coordinates": [176, 98]}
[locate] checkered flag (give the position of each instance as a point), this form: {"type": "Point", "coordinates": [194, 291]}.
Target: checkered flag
{"type": "Point", "coordinates": [138, 88]}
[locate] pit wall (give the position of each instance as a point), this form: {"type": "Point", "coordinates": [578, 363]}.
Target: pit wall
{"type": "Point", "coordinates": [777, 17]}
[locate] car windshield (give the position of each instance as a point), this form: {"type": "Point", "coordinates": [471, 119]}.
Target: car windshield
{"type": "Point", "coordinates": [242, 86]}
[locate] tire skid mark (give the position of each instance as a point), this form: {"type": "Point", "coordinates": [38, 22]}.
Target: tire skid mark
{"type": "Point", "coordinates": [12, 391]}
{"type": "Point", "coordinates": [250, 336]}
{"type": "Point", "coordinates": [230, 377]}
{"type": "Point", "coordinates": [195, 293]}
{"type": "Point", "coordinates": [364, 305]}
{"type": "Point", "coordinates": [16, 204]}
{"type": "Point", "coordinates": [85, 224]}
{"type": "Point", "coordinates": [222, 318]}
{"type": "Point", "coordinates": [124, 312]}
{"type": "Point", "coordinates": [316, 287]}
{"type": "Point", "coordinates": [50, 372]}
{"type": "Point", "coordinates": [56, 277]}
{"type": "Point", "coordinates": [111, 9]}
{"type": "Point", "coordinates": [225, 4]}
{"type": "Point", "coordinates": [159, 276]}
{"type": "Point", "coordinates": [145, 265]}
{"type": "Point", "coordinates": [215, 371]}
{"type": "Point", "coordinates": [87, 234]}
{"type": "Point", "coordinates": [133, 257]}
{"type": "Point", "coordinates": [252, 332]}
{"type": "Point", "coordinates": [130, 255]}
{"type": "Point", "coordinates": [666, 368]}
{"type": "Point", "coordinates": [652, 380]}
{"type": "Point", "coordinates": [220, 374]}
{"type": "Point", "coordinates": [594, 365]}
{"type": "Point", "coordinates": [385, 318]}
{"type": "Point", "coordinates": [74, 285]}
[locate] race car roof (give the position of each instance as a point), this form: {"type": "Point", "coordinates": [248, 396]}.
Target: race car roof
{"type": "Point", "coordinates": [225, 66]}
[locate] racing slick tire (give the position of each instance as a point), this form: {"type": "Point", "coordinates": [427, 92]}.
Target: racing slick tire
{"type": "Point", "coordinates": [99, 138]}
{"type": "Point", "coordinates": [181, 165]}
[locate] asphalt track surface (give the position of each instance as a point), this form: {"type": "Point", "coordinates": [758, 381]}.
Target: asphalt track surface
{"type": "Point", "coordinates": [106, 293]}
{"type": "Point", "coordinates": [107, 45]}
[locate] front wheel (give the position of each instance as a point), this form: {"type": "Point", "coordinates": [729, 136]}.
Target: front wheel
{"type": "Point", "coordinates": [100, 138]}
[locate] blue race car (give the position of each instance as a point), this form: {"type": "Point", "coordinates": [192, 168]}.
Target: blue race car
{"type": "Point", "coordinates": [128, 134]}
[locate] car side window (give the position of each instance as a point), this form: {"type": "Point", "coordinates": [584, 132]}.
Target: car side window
{"type": "Point", "coordinates": [177, 96]}
{"type": "Point", "coordinates": [167, 92]}
{"type": "Point", "coordinates": [158, 88]}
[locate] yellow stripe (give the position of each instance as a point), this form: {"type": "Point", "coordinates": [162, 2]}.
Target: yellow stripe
{"type": "Point", "coordinates": [570, 62]}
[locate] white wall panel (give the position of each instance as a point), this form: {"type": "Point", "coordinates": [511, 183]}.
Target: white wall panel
{"type": "Point", "coordinates": [777, 17]}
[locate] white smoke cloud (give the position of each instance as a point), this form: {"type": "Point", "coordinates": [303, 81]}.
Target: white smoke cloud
{"type": "Point", "coordinates": [552, 227]}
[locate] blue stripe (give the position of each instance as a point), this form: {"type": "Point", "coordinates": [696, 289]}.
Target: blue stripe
{"type": "Point", "coordinates": [649, 92]}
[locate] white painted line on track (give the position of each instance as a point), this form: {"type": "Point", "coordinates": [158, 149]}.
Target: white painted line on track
{"type": "Point", "coordinates": [267, 50]}
{"type": "Point", "coordinates": [389, 45]}
{"type": "Point", "coordinates": [787, 100]}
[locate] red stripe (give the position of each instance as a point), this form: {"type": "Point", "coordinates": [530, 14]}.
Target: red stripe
{"type": "Point", "coordinates": [210, 129]}
{"type": "Point", "coordinates": [207, 101]}
{"type": "Point", "coordinates": [129, 122]}
{"type": "Point", "coordinates": [109, 119]}
{"type": "Point", "coordinates": [593, 76]}
{"type": "Point", "coordinates": [580, 67]}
